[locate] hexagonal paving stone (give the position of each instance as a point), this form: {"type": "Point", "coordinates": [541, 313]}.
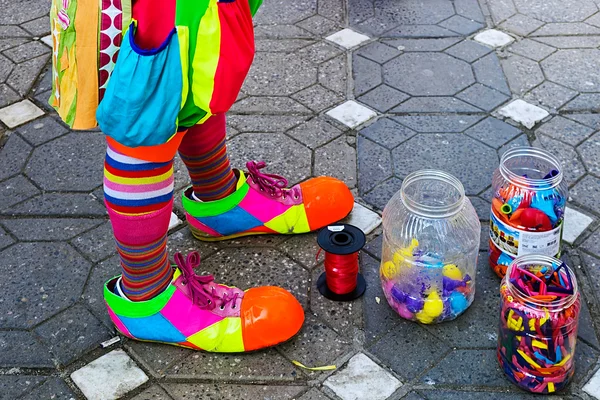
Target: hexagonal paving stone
{"type": "Point", "coordinates": [15, 190]}
{"type": "Point", "coordinates": [34, 276]}
{"type": "Point", "coordinates": [279, 74]}
{"type": "Point", "coordinates": [338, 160]}
{"type": "Point", "coordinates": [97, 244]}
{"type": "Point", "coordinates": [574, 68]}
{"type": "Point", "coordinates": [587, 192]}
{"type": "Point", "coordinates": [493, 132]}
{"type": "Point", "coordinates": [387, 133]}
{"type": "Point", "coordinates": [63, 204]}
{"type": "Point", "coordinates": [59, 165]}
{"type": "Point", "coordinates": [13, 156]}
{"type": "Point", "coordinates": [366, 74]}
{"type": "Point", "coordinates": [489, 72]}
{"type": "Point", "coordinates": [12, 386]}
{"type": "Point", "coordinates": [441, 151]}
{"type": "Point", "coordinates": [573, 169]}
{"type": "Point", "coordinates": [283, 155]}
{"type": "Point", "coordinates": [383, 192]}
{"type": "Point", "coordinates": [439, 123]}
{"type": "Point", "coordinates": [435, 104]}
{"type": "Point", "coordinates": [315, 132]}
{"type": "Point", "coordinates": [565, 130]}
{"type": "Point", "coordinates": [428, 74]}
{"type": "Point", "coordinates": [228, 391]}
{"type": "Point", "coordinates": [20, 349]}
{"type": "Point", "coordinates": [557, 10]}
{"type": "Point", "coordinates": [374, 164]}
{"type": "Point", "coordinates": [590, 153]}
{"type": "Point", "coordinates": [412, 12]}
{"type": "Point", "coordinates": [522, 74]}
{"type": "Point", "coordinates": [5, 239]}
{"type": "Point", "coordinates": [288, 12]}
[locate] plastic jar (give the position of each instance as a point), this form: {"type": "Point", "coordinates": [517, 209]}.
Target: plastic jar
{"type": "Point", "coordinates": [528, 206]}
{"type": "Point", "coordinates": [430, 246]}
{"type": "Point", "coordinates": [538, 333]}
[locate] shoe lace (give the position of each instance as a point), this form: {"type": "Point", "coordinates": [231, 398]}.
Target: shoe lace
{"type": "Point", "coordinates": [274, 185]}
{"type": "Point", "coordinates": [202, 288]}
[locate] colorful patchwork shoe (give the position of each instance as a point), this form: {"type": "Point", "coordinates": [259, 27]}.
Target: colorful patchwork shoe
{"type": "Point", "coordinates": [197, 313]}
{"type": "Point", "coordinates": [263, 204]}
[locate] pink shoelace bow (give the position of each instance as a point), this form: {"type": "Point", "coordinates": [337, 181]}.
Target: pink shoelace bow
{"type": "Point", "coordinates": [274, 185]}
{"type": "Point", "coordinates": [202, 288]}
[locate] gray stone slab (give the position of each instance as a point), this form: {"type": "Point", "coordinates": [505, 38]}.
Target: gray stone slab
{"type": "Point", "coordinates": [8, 95]}
{"type": "Point", "coordinates": [586, 330]}
{"type": "Point", "coordinates": [591, 120]}
{"type": "Point", "coordinates": [483, 97]}
{"type": "Point", "coordinates": [493, 132]}
{"type": "Point", "coordinates": [283, 155]}
{"type": "Point", "coordinates": [420, 31]}
{"type": "Point", "coordinates": [281, 45]}
{"type": "Point", "coordinates": [519, 141]}
{"type": "Point", "coordinates": [318, 98]}
{"type": "Point", "coordinates": [42, 130]}
{"type": "Point", "coordinates": [531, 49]}
{"type": "Point", "coordinates": [34, 276]}
{"type": "Point", "coordinates": [227, 391]}
{"type": "Point", "coordinates": [285, 13]}
{"type": "Point", "coordinates": [584, 102]}
{"type": "Point", "coordinates": [261, 366]}
{"type": "Point", "coordinates": [379, 318]}
{"type": "Point", "coordinates": [565, 130]}
{"type": "Point", "coordinates": [13, 156]}
{"type": "Point", "coordinates": [15, 190]}
{"type": "Point", "coordinates": [279, 74]}
{"type": "Point", "coordinates": [6, 68]}
{"type": "Point", "coordinates": [250, 267]}
{"type": "Point", "coordinates": [418, 45]}
{"type": "Point", "coordinates": [585, 359]}
{"type": "Point", "coordinates": [154, 392]}
{"type": "Point", "coordinates": [26, 51]}
{"type": "Point", "coordinates": [302, 249]}
{"type": "Point", "coordinates": [574, 68]}
{"type": "Point", "coordinates": [12, 386]}
{"type": "Point", "coordinates": [383, 97]}
{"type": "Point", "coordinates": [47, 229]}
{"type": "Point", "coordinates": [5, 239]}
{"type": "Point", "coordinates": [463, 367]}
{"type": "Point", "coordinates": [257, 105]}
{"type": "Point", "coordinates": [332, 9]}
{"type": "Point", "coordinates": [592, 269]}
{"type": "Point", "coordinates": [478, 326]}
{"type": "Point", "coordinates": [478, 395]}
{"type": "Point", "coordinates": [592, 244]}
{"type": "Point", "coordinates": [20, 349]}
{"type": "Point", "coordinates": [23, 77]}
{"type": "Point", "coordinates": [12, 31]}
{"type": "Point", "coordinates": [283, 31]}
{"type": "Point", "coordinates": [56, 165]}
{"type": "Point", "coordinates": [413, 396]}
{"type": "Point", "coordinates": [158, 357]}
{"type": "Point", "coordinates": [265, 123]}
{"type": "Point", "coordinates": [434, 105]}
{"type": "Point", "coordinates": [382, 193]}
{"type": "Point", "coordinates": [468, 51]}
{"type": "Point", "coordinates": [72, 333]}
{"type": "Point", "coordinates": [482, 207]}
{"type": "Point", "coordinates": [93, 293]}
{"type": "Point", "coordinates": [96, 244]}
{"type": "Point", "coordinates": [318, 25]}
{"type": "Point", "coordinates": [501, 10]}
{"type": "Point", "coordinates": [366, 74]}
{"type": "Point", "coordinates": [428, 74]}
{"type": "Point", "coordinates": [374, 164]}
{"type": "Point", "coordinates": [333, 74]}
{"type": "Point", "coordinates": [378, 52]}
{"type": "Point", "coordinates": [315, 133]}
{"type": "Point", "coordinates": [8, 43]}
{"type": "Point", "coordinates": [413, 12]}
{"type": "Point", "coordinates": [338, 160]}
{"type": "Point", "coordinates": [573, 168]}
{"type": "Point", "coordinates": [313, 394]}
{"type": "Point", "coordinates": [489, 72]}
{"type": "Point", "coordinates": [441, 123]}
{"type": "Point", "coordinates": [374, 247]}
{"type": "Point", "coordinates": [38, 27]}
{"type": "Point", "coordinates": [59, 204]}
{"type": "Point", "coordinates": [587, 192]}
{"type": "Point", "coordinates": [550, 95]}
{"type": "Point", "coordinates": [521, 24]}
{"type": "Point", "coordinates": [590, 153]}
{"type": "Point", "coordinates": [441, 151]}
{"type": "Point", "coordinates": [387, 133]}
{"type": "Point", "coordinates": [319, 52]}
{"type": "Point", "coordinates": [567, 28]}
{"type": "Point", "coordinates": [556, 10]}
{"type": "Point", "coordinates": [462, 25]}
{"type": "Point", "coordinates": [522, 74]}
{"type": "Point", "coordinates": [571, 42]}
{"type": "Point", "coordinates": [420, 350]}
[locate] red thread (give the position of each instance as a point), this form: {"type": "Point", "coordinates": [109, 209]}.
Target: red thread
{"type": "Point", "coordinates": [341, 272]}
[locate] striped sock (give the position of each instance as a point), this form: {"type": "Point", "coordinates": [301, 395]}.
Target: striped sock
{"type": "Point", "coordinates": [204, 152]}
{"type": "Point", "coordinates": [139, 198]}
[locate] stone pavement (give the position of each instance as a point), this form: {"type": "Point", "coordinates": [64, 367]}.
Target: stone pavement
{"type": "Point", "coordinates": [428, 85]}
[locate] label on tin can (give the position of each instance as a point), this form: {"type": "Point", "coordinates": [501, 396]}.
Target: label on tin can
{"type": "Point", "coordinates": [518, 242]}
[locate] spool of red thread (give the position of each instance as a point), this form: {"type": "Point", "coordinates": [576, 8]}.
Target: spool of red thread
{"type": "Point", "coordinates": [341, 280]}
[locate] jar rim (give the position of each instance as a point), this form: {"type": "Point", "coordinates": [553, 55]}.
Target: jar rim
{"type": "Point", "coordinates": [534, 152]}
{"type": "Point", "coordinates": [432, 211]}
{"type": "Point", "coordinates": [537, 259]}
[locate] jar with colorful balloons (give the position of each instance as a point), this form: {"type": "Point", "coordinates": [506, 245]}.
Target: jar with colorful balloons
{"type": "Point", "coordinates": [528, 206]}
{"type": "Point", "coordinates": [430, 246]}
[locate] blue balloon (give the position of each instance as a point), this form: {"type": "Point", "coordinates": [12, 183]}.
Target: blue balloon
{"type": "Point", "coordinates": [458, 303]}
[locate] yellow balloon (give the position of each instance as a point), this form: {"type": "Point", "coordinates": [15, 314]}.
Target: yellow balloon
{"type": "Point", "coordinates": [389, 270]}
{"type": "Point", "coordinates": [451, 271]}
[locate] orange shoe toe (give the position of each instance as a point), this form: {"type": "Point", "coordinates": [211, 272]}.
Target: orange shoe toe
{"type": "Point", "coordinates": [270, 315]}
{"type": "Point", "coordinates": [326, 201]}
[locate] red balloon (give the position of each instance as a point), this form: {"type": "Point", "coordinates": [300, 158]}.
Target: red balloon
{"type": "Point", "coordinates": [533, 218]}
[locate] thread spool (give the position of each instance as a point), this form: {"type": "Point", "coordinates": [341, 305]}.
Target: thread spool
{"type": "Point", "coordinates": [341, 244]}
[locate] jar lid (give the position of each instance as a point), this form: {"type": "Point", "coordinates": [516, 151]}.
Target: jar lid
{"type": "Point", "coordinates": [341, 239]}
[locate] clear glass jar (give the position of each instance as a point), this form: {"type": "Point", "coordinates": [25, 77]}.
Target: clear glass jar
{"type": "Point", "coordinates": [430, 246]}
{"type": "Point", "coordinates": [538, 334]}
{"type": "Point", "coordinates": [528, 206]}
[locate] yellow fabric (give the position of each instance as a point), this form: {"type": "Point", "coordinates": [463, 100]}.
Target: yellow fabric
{"type": "Point", "coordinates": [224, 336]}
{"type": "Point", "coordinates": [183, 34]}
{"type": "Point", "coordinates": [86, 54]}
{"type": "Point", "coordinates": [68, 85]}
{"type": "Point", "coordinates": [293, 220]}
{"type": "Point", "coordinates": [126, 15]}
{"type": "Point", "coordinates": [137, 181]}
{"type": "Point", "coordinates": [206, 58]}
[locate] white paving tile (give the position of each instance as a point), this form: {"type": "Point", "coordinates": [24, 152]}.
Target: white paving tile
{"type": "Point", "coordinates": [109, 377]}
{"type": "Point", "coordinates": [524, 113]}
{"type": "Point", "coordinates": [363, 218]}
{"type": "Point", "coordinates": [47, 40]}
{"type": "Point", "coordinates": [493, 38]}
{"type": "Point", "coordinates": [174, 221]}
{"type": "Point", "coordinates": [362, 379]}
{"type": "Point", "coordinates": [351, 113]}
{"type": "Point", "coordinates": [574, 225]}
{"type": "Point", "coordinates": [19, 113]}
{"type": "Point", "coordinates": [593, 386]}
{"type": "Point", "coordinates": [347, 38]}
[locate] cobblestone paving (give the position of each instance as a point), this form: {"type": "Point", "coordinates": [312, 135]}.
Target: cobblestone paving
{"type": "Point", "coordinates": [436, 93]}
